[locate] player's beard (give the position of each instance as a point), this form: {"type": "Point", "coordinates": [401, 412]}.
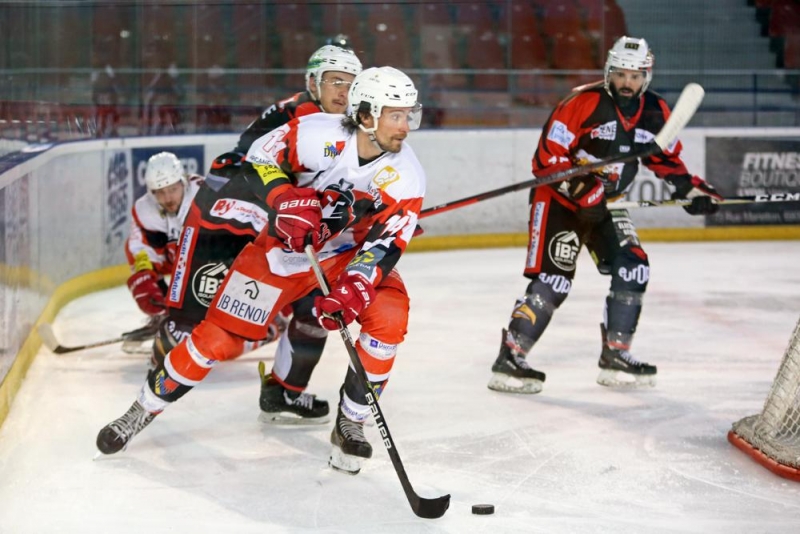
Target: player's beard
{"type": "Point", "coordinates": [393, 145]}
{"type": "Point", "coordinates": [628, 103]}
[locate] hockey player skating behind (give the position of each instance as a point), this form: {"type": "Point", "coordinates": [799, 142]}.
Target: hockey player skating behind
{"type": "Point", "coordinates": [156, 222]}
{"type": "Point", "coordinates": [618, 115]}
{"type": "Point", "coordinates": [352, 186]}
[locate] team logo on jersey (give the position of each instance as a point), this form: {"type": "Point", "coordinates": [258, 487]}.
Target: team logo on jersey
{"type": "Point", "coordinates": [560, 134]}
{"type": "Point", "coordinates": [206, 282]}
{"type": "Point", "coordinates": [563, 250]}
{"type": "Point", "coordinates": [241, 211]}
{"type": "Point", "coordinates": [607, 131]}
{"type": "Point", "coordinates": [333, 150]}
{"type": "Point", "coordinates": [643, 136]}
{"type": "Point", "coordinates": [385, 176]}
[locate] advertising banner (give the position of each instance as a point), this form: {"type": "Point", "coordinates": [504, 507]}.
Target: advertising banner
{"type": "Point", "coordinates": [746, 166]}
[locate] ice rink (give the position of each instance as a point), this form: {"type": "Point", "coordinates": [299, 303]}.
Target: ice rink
{"type": "Point", "coordinates": [576, 458]}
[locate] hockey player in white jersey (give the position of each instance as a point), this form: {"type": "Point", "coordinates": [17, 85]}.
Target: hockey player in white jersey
{"type": "Point", "coordinates": [354, 188]}
{"type": "Point", "coordinates": [156, 222]}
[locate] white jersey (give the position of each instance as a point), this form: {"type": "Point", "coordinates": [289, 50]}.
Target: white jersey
{"type": "Point", "coordinates": [372, 207]}
{"type": "Point", "coordinates": [156, 233]}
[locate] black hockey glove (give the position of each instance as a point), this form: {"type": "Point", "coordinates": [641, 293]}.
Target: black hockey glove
{"type": "Point", "coordinates": [587, 193]}
{"type": "Point", "coordinates": [701, 193]}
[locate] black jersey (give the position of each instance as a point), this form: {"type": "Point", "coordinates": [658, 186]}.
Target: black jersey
{"type": "Point", "coordinates": [588, 126]}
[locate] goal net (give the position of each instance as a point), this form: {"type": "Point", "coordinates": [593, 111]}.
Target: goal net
{"type": "Point", "coordinates": [772, 437]}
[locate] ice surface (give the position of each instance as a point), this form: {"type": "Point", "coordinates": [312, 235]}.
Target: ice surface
{"type": "Point", "coordinates": [576, 458]}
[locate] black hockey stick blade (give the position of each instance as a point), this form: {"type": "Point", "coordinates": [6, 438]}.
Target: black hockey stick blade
{"type": "Point", "coordinates": [49, 340]}
{"type": "Point", "coordinates": [685, 107]}
{"type": "Point", "coordinates": [421, 506]}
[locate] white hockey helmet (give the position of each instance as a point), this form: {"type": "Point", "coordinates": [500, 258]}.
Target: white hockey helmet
{"type": "Point", "coordinates": [331, 58]}
{"type": "Point", "coordinates": [384, 87]}
{"type": "Point", "coordinates": [163, 169]}
{"type": "Point", "coordinates": [630, 53]}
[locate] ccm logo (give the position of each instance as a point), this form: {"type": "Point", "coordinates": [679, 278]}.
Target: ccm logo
{"type": "Point", "coordinates": [299, 203]}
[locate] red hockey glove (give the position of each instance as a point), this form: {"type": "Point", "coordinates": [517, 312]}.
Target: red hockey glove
{"type": "Point", "coordinates": [350, 296]}
{"type": "Point", "coordinates": [298, 214]}
{"type": "Point", "coordinates": [701, 193]}
{"type": "Point", "coordinates": [145, 290]}
{"type": "Point", "coordinates": [587, 192]}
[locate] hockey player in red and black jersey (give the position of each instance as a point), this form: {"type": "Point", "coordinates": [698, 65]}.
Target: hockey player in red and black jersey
{"type": "Point", "coordinates": [352, 185]}
{"type": "Point", "coordinates": [227, 214]}
{"type": "Point", "coordinates": [616, 116]}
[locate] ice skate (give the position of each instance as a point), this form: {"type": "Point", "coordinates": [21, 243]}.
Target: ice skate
{"type": "Point", "coordinates": [511, 372]}
{"type": "Point", "coordinates": [282, 406]}
{"type": "Point", "coordinates": [350, 446]}
{"type": "Point", "coordinates": [619, 369]}
{"type": "Point", "coordinates": [140, 341]}
{"type": "Point", "coordinates": [116, 435]}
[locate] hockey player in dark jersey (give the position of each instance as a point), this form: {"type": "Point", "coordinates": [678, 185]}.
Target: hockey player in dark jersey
{"type": "Point", "coordinates": [615, 116]}
{"type": "Point", "coordinates": [228, 213]}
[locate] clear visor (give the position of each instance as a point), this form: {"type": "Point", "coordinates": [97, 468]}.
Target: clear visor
{"type": "Point", "coordinates": [399, 116]}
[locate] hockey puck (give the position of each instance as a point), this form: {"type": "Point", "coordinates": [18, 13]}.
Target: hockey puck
{"type": "Point", "coordinates": [483, 509]}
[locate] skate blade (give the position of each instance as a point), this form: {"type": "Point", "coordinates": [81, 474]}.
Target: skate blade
{"type": "Point", "coordinates": [289, 418]}
{"type": "Point", "coordinates": [511, 384]}
{"type": "Point", "coordinates": [621, 379]}
{"type": "Point", "coordinates": [344, 463]}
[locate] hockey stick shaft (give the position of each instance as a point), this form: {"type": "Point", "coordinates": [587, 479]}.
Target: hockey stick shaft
{"type": "Point", "coordinates": [753, 199]}
{"type": "Point", "coordinates": [685, 107]}
{"type": "Point", "coordinates": [50, 341]}
{"type": "Point", "coordinates": [422, 507]}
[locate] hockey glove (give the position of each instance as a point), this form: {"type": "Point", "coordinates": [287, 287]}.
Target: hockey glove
{"type": "Point", "coordinates": [351, 294]}
{"type": "Point", "coordinates": [145, 290]}
{"type": "Point", "coordinates": [298, 215]}
{"type": "Point", "coordinates": [701, 193]}
{"type": "Point", "coordinates": [587, 192]}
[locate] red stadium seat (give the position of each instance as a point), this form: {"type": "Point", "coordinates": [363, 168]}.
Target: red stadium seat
{"type": "Point", "coordinates": [296, 48]}
{"type": "Point", "coordinates": [614, 24]}
{"type": "Point", "coordinates": [521, 17]}
{"type": "Point", "coordinates": [791, 51]}
{"type": "Point", "coordinates": [485, 51]}
{"type": "Point", "coordinates": [341, 18]}
{"type": "Point", "coordinates": [388, 18]}
{"type": "Point", "coordinates": [560, 17]}
{"type": "Point", "coordinates": [393, 49]}
{"type": "Point", "coordinates": [573, 52]}
{"type": "Point", "coordinates": [784, 19]}
{"type": "Point", "coordinates": [431, 14]}
{"type": "Point", "coordinates": [528, 51]}
{"type": "Point", "coordinates": [291, 17]}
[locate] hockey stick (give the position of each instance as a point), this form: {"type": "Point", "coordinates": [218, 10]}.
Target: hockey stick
{"type": "Point", "coordinates": [687, 104]}
{"type": "Point", "coordinates": [422, 507]}
{"type": "Point", "coordinates": [49, 340]}
{"type": "Point", "coordinates": [753, 199]}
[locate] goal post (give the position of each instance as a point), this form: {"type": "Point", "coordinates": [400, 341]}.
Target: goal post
{"type": "Point", "coordinates": [772, 438]}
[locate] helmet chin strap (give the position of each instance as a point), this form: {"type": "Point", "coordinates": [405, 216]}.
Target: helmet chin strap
{"type": "Point", "coordinates": [371, 134]}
